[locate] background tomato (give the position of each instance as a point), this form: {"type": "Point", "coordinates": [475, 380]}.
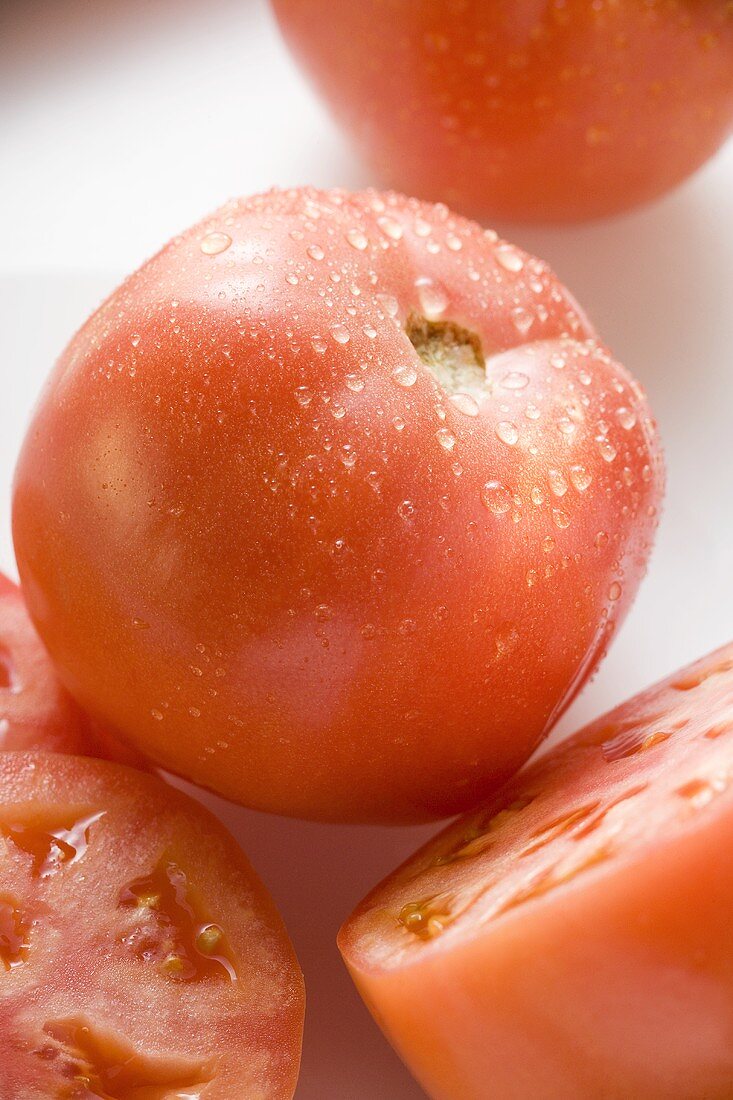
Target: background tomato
{"type": "Point", "coordinates": [334, 505]}
{"type": "Point", "coordinates": [141, 954]}
{"type": "Point", "coordinates": [572, 937]}
{"type": "Point", "coordinates": [527, 110]}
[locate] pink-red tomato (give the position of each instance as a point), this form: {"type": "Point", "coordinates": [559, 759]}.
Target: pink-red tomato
{"type": "Point", "coordinates": [523, 109]}
{"type": "Point", "coordinates": [36, 710]}
{"type": "Point", "coordinates": [140, 956]}
{"type": "Point", "coordinates": [333, 506]}
{"type": "Point", "coordinates": [572, 938]}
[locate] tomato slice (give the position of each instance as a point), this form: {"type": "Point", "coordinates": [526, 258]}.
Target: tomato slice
{"type": "Point", "coordinates": [572, 938]}
{"type": "Point", "coordinates": [140, 956]}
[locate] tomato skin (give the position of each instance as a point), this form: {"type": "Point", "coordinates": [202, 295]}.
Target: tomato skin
{"type": "Point", "coordinates": [91, 997]}
{"type": "Point", "coordinates": [264, 560]}
{"type": "Point", "coordinates": [523, 110]}
{"type": "Point", "coordinates": [609, 972]}
{"type": "Point", "coordinates": [36, 710]}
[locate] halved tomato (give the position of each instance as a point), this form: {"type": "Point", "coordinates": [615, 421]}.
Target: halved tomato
{"type": "Point", "coordinates": [573, 937]}
{"type": "Point", "coordinates": [36, 710]}
{"type": "Point", "coordinates": [140, 956]}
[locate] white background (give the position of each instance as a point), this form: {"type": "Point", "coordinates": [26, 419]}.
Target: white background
{"type": "Point", "coordinates": [122, 121]}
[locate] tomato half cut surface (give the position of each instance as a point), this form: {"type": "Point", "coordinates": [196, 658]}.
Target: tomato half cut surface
{"type": "Point", "coordinates": [573, 937]}
{"type": "Point", "coordinates": [140, 956]}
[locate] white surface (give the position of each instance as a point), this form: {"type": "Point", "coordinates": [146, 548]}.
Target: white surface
{"type": "Point", "coordinates": [120, 123]}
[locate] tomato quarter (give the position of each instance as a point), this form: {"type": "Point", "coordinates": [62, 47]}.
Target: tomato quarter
{"type": "Point", "coordinates": [519, 109]}
{"type": "Point", "coordinates": [140, 957]}
{"type": "Point", "coordinates": [572, 938]}
{"type": "Point", "coordinates": [334, 505]}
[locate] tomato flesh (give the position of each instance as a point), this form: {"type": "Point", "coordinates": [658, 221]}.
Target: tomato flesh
{"type": "Point", "coordinates": [334, 505]}
{"type": "Point", "coordinates": [571, 938]}
{"type": "Point", "coordinates": [140, 956]}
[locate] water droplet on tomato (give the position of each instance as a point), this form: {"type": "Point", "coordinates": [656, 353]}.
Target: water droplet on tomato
{"type": "Point", "coordinates": [405, 375]}
{"type": "Point", "coordinates": [340, 333]}
{"type": "Point", "coordinates": [465, 404]}
{"type": "Point", "coordinates": [515, 380]}
{"type": "Point", "coordinates": [557, 482]}
{"type": "Point", "coordinates": [496, 497]}
{"type": "Point", "coordinates": [581, 478]}
{"type": "Point", "coordinates": [390, 227]}
{"type": "Point", "coordinates": [214, 243]}
{"type": "Point", "coordinates": [433, 301]}
{"type": "Point", "coordinates": [523, 320]}
{"type": "Point", "coordinates": [357, 239]}
{"type": "Point", "coordinates": [626, 417]}
{"type": "Point", "coordinates": [446, 439]}
{"type": "Point", "coordinates": [509, 258]}
{"type": "Point", "coordinates": [507, 432]}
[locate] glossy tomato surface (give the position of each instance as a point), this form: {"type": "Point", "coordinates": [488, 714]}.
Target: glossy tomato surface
{"type": "Point", "coordinates": [36, 711]}
{"type": "Point", "coordinates": [140, 956]}
{"type": "Point", "coordinates": [572, 938]}
{"type": "Point", "coordinates": [539, 110]}
{"type": "Point", "coordinates": [334, 505]}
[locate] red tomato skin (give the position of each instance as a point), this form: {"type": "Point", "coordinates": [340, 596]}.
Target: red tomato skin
{"type": "Point", "coordinates": [90, 962]}
{"type": "Point", "coordinates": [618, 984]}
{"type": "Point", "coordinates": [277, 571]}
{"type": "Point", "coordinates": [524, 111]}
{"type": "Point", "coordinates": [36, 710]}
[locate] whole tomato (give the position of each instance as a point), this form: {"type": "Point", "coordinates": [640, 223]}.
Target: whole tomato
{"type": "Point", "coordinates": [571, 938]}
{"type": "Point", "coordinates": [334, 505]}
{"type": "Point", "coordinates": [537, 110]}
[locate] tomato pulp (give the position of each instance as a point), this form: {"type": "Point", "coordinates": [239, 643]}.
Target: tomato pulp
{"type": "Point", "coordinates": [519, 109]}
{"type": "Point", "coordinates": [334, 504]}
{"type": "Point", "coordinates": [139, 954]}
{"type": "Point", "coordinates": [572, 937]}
